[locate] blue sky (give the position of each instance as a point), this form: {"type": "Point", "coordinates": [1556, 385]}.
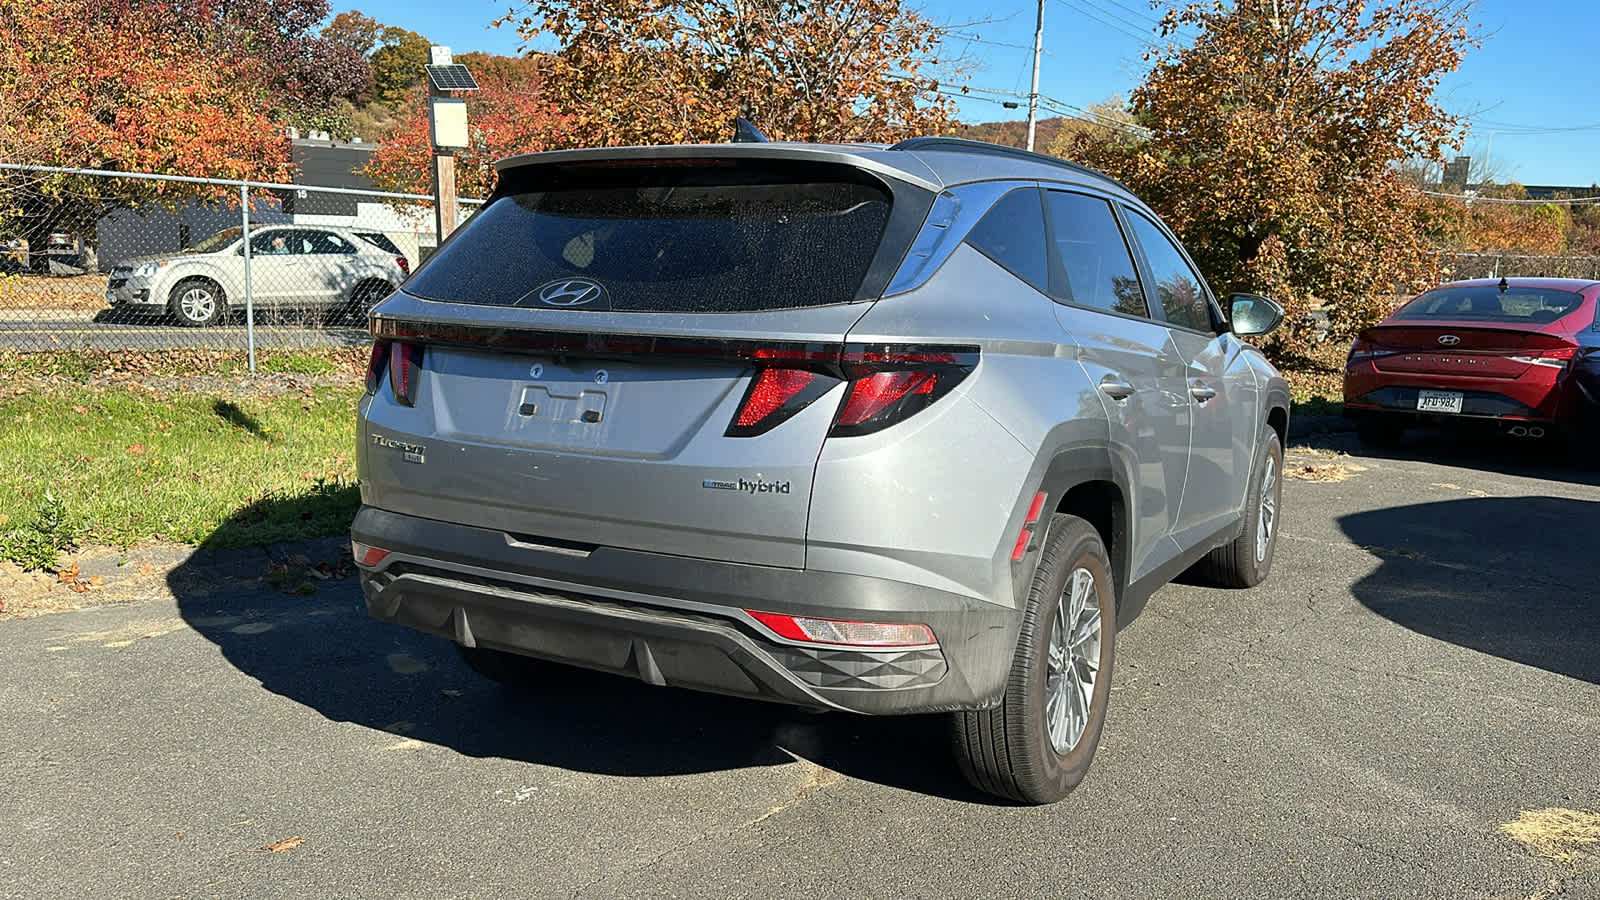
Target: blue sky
{"type": "Point", "coordinates": [1530, 76]}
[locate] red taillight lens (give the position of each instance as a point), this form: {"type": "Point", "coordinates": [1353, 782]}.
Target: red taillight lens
{"type": "Point", "coordinates": [774, 396]}
{"type": "Point", "coordinates": [886, 385]}
{"type": "Point", "coordinates": [405, 365]}
{"type": "Point", "coordinates": [1554, 358]}
{"type": "Point", "coordinates": [375, 361]}
{"type": "Point", "coordinates": [404, 264]}
{"type": "Point", "coordinates": [891, 384]}
{"type": "Point", "coordinates": [877, 395]}
{"type": "Point", "coordinates": [851, 634]}
{"type": "Point", "coordinates": [1360, 350]}
{"type": "Point", "coordinates": [771, 390]}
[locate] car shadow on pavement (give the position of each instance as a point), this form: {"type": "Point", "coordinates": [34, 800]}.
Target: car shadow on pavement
{"type": "Point", "coordinates": [1509, 576]}
{"type": "Point", "coordinates": [307, 638]}
{"type": "Point", "coordinates": [1552, 459]}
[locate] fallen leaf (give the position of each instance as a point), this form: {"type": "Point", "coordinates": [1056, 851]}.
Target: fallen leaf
{"type": "Point", "coordinates": [68, 575]}
{"type": "Point", "coordinates": [146, 569]}
{"type": "Point", "coordinates": [2, 605]}
{"type": "Point", "coordinates": [136, 449]}
{"type": "Point", "coordinates": [97, 581]}
{"type": "Point", "coordinates": [81, 410]}
{"type": "Point", "coordinates": [285, 845]}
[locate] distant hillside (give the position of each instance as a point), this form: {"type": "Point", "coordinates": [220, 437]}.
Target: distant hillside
{"type": "Point", "coordinates": [1012, 134]}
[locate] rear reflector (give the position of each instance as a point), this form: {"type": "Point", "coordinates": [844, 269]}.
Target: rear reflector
{"type": "Point", "coordinates": [1035, 509]}
{"type": "Point", "coordinates": [851, 634]}
{"type": "Point", "coordinates": [367, 555]}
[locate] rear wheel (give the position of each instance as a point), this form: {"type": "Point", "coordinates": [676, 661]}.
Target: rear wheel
{"type": "Point", "coordinates": [1037, 745]}
{"type": "Point", "coordinates": [1245, 561]}
{"type": "Point", "coordinates": [197, 302]}
{"type": "Point", "coordinates": [363, 298]}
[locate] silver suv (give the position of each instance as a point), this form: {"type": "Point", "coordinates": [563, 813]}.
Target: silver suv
{"type": "Point", "coordinates": [291, 266]}
{"type": "Point", "coordinates": [887, 429]}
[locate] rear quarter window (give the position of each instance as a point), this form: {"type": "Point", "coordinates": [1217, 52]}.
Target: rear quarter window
{"type": "Point", "coordinates": [704, 237]}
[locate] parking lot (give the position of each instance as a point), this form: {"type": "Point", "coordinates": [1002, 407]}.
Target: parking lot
{"type": "Point", "coordinates": [1422, 666]}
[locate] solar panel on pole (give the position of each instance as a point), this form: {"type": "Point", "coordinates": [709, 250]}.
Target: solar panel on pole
{"type": "Point", "coordinates": [454, 77]}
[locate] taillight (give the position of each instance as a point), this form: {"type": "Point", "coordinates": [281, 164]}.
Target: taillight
{"type": "Point", "coordinates": [404, 264]}
{"type": "Point", "coordinates": [886, 385]}
{"type": "Point", "coordinates": [775, 395]}
{"type": "Point", "coordinates": [1554, 358]}
{"type": "Point", "coordinates": [850, 634]}
{"type": "Point", "coordinates": [405, 365]}
{"type": "Point", "coordinates": [375, 361]}
{"type": "Point", "coordinates": [1360, 351]}
{"type": "Point", "coordinates": [367, 555]}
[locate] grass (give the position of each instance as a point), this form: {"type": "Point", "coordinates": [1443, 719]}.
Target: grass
{"type": "Point", "coordinates": [129, 464]}
{"type": "Point", "coordinates": [1566, 835]}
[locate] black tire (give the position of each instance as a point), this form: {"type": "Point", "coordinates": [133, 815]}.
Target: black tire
{"type": "Point", "coordinates": [1378, 431]}
{"type": "Point", "coordinates": [197, 302]}
{"type": "Point", "coordinates": [366, 295]}
{"type": "Point", "coordinates": [1246, 561]}
{"type": "Point", "coordinates": [1008, 751]}
{"type": "Point", "coordinates": [520, 673]}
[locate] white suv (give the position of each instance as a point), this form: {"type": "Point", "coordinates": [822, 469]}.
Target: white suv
{"type": "Point", "coordinates": [300, 266]}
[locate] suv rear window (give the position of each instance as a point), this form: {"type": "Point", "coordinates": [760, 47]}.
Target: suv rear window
{"type": "Point", "coordinates": [670, 236]}
{"type": "Point", "coordinates": [1489, 303]}
{"type": "Point", "coordinates": [380, 240]}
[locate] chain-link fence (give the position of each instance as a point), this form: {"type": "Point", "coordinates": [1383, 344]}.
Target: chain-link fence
{"type": "Point", "coordinates": [113, 261]}
{"type": "Point", "coordinates": [1513, 265]}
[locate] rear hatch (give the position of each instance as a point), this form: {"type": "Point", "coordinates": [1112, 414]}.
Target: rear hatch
{"type": "Point", "coordinates": [584, 357]}
{"type": "Point", "coordinates": [1476, 331]}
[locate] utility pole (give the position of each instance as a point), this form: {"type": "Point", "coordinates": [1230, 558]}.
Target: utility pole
{"type": "Point", "coordinates": [1033, 93]}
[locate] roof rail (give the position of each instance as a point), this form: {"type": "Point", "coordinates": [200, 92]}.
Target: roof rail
{"type": "Point", "coordinates": [964, 145]}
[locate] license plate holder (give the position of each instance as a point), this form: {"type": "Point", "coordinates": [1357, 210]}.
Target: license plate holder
{"type": "Point", "coordinates": [1439, 401]}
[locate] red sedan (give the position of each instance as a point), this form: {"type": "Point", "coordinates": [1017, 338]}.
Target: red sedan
{"type": "Point", "coordinates": [1506, 351]}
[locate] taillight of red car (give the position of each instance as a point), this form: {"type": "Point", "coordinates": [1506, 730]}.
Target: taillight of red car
{"type": "Point", "coordinates": [404, 264]}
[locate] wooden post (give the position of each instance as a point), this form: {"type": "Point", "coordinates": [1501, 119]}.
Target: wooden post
{"type": "Point", "coordinates": [444, 194]}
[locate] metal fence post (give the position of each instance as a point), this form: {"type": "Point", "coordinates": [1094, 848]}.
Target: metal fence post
{"type": "Point", "coordinates": [249, 295]}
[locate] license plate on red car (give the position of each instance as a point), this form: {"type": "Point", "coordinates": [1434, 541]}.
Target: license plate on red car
{"type": "Point", "coordinates": [1439, 401]}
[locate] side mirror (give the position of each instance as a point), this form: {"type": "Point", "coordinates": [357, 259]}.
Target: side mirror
{"type": "Point", "coordinates": [1253, 315]}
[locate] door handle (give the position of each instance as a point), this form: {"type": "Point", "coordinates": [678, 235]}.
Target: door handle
{"type": "Point", "coordinates": [1200, 391]}
{"type": "Point", "coordinates": [1116, 388]}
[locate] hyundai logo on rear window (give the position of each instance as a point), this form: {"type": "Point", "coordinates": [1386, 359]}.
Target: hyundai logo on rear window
{"type": "Point", "coordinates": [569, 292]}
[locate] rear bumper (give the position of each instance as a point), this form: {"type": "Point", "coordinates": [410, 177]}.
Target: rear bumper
{"type": "Point", "coordinates": [679, 621]}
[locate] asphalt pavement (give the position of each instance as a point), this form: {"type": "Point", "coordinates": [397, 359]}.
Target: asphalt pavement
{"type": "Point", "coordinates": [1422, 666]}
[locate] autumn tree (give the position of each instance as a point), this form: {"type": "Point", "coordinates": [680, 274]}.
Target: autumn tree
{"type": "Point", "coordinates": [1481, 224]}
{"type": "Point", "coordinates": [107, 87]}
{"type": "Point", "coordinates": [397, 62]}
{"type": "Point", "coordinates": [507, 115]}
{"type": "Point", "coordinates": [675, 71]}
{"type": "Point", "coordinates": [1275, 141]}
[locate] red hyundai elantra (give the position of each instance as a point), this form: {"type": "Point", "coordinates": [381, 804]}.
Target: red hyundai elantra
{"type": "Point", "coordinates": [1503, 351]}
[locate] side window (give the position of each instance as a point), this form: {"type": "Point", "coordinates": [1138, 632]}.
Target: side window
{"type": "Point", "coordinates": [327, 242]}
{"type": "Point", "coordinates": [1177, 284]}
{"type": "Point", "coordinates": [272, 243]}
{"type": "Point", "coordinates": [1097, 269]}
{"type": "Point", "coordinates": [1012, 234]}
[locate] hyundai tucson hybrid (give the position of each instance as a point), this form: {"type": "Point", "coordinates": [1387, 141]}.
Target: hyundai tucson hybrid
{"type": "Point", "coordinates": [885, 429]}
{"type": "Point", "coordinates": [1519, 353]}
